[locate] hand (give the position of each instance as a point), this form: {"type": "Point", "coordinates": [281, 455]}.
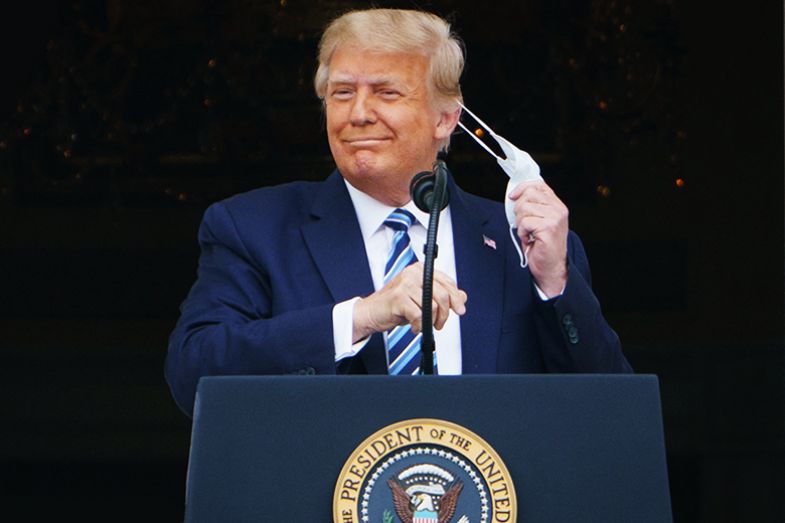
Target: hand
{"type": "Point", "coordinates": [400, 302]}
{"type": "Point", "coordinates": [542, 221]}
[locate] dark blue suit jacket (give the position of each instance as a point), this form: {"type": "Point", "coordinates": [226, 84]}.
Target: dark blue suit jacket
{"type": "Point", "coordinates": [276, 260]}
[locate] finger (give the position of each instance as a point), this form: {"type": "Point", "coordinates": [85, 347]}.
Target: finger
{"type": "Point", "coordinates": [548, 231]}
{"type": "Point", "coordinates": [416, 297]}
{"type": "Point", "coordinates": [413, 316]}
{"type": "Point", "coordinates": [528, 211]}
{"type": "Point", "coordinates": [535, 186]}
{"type": "Point", "coordinates": [441, 306]}
{"type": "Point", "coordinates": [407, 285]}
{"type": "Point", "coordinates": [458, 301]}
{"type": "Point", "coordinates": [462, 299]}
{"type": "Point", "coordinates": [416, 325]}
{"type": "Point", "coordinates": [539, 217]}
{"type": "Point", "coordinates": [537, 189]}
{"type": "Point", "coordinates": [439, 318]}
{"type": "Point", "coordinates": [445, 280]}
{"type": "Point", "coordinates": [548, 214]}
{"type": "Point", "coordinates": [457, 297]}
{"type": "Point", "coordinates": [546, 208]}
{"type": "Point", "coordinates": [441, 299]}
{"type": "Point", "coordinates": [527, 236]}
{"type": "Point", "coordinates": [523, 187]}
{"type": "Point", "coordinates": [525, 228]}
{"type": "Point", "coordinates": [413, 274]}
{"type": "Point", "coordinates": [536, 197]}
{"type": "Point", "coordinates": [539, 206]}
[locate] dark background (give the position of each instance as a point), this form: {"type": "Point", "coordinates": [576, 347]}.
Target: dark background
{"type": "Point", "coordinates": [660, 124]}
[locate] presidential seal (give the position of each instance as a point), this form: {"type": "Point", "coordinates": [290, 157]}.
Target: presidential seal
{"type": "Point", "coordinates": [424, 471]}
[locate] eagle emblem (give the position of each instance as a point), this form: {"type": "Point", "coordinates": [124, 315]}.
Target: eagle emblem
{"type": "Point", "coordinates": [425, 494]}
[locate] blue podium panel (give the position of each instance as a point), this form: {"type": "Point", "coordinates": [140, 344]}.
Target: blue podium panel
{"type": "Point", "coordinates": [579, 448]}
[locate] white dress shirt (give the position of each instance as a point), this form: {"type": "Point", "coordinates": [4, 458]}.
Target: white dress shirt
{"type": "Point", "coordinates": [378, 240]}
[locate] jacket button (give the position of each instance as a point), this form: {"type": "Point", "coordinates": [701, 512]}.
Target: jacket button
{"type": "Point", "coordinates": [572, 334]}
{"type": "Point", "coordinates": [566, 320]}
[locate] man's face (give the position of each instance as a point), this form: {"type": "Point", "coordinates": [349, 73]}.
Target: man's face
{"type": "Point", "coordinates": [381, 123]}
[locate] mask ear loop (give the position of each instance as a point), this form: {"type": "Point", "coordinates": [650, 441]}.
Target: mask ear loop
{"type": "Point", "coordinates": [483, 124]}
{"type": "Point", "coordinates": [482, 144]}
{"type": "Point", "coordinates": [474, 136]}
{"type": "Point", "coordinates": [523, 255]}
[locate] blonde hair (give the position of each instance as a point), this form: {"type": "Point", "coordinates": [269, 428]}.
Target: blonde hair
{"type": "Point", "coordinates": [402, 31]}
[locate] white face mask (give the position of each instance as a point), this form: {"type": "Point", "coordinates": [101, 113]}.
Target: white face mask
{"type": "Point", "coordinates": [519, 166]}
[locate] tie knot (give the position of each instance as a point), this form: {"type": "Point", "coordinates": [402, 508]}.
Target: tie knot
{"type": "Point", "coordinates": [399, 220]}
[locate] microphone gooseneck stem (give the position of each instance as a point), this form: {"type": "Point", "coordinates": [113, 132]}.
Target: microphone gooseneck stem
{"type": "Point", "coordinates": [427, 344]}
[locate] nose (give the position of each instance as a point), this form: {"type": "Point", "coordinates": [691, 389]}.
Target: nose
{"type": "Point", "coordinates": [362, 111]}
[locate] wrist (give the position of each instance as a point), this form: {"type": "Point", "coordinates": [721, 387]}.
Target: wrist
{"type": "Point", "coordinates": [361, 324]}
{"type": "Point", "coordinates": [552, 285]}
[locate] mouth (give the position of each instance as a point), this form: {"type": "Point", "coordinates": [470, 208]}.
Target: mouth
{"type": "Point", "coordinates": [365, 141]}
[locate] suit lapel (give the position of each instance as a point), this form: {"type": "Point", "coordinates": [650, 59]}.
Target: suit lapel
{"type": "Point", "coordinates": [480, 270]}
{"type": "Point", "coordinates": [335, 242]}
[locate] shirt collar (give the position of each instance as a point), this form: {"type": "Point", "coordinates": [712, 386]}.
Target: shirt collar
{"type": "Point", "coordinates": [371, 213]}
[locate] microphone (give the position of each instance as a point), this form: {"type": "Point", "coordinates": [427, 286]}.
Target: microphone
{"type": "Point", "coordinates": [429, 192]}
{"type": "Point", "coordinates": [423, 186]}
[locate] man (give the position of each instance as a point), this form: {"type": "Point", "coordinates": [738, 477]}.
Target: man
{"type": "Point", "coordinates": [309, 278]}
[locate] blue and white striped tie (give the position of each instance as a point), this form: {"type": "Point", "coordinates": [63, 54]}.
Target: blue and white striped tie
{"type": "Point", "coordinates": [403, 347]}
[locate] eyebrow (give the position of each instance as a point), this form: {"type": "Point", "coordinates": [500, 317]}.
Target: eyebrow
{"type": "Point", "coordinates": [340, 78]}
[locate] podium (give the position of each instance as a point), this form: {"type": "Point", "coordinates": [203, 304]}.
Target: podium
{"type": "Point", "coordinates": [577, 448]}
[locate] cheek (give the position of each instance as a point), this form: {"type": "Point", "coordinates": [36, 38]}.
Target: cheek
{"type": "Point", "coordinates": [412, 125]}
{"type": "Point", "coordinates": [334, 118]}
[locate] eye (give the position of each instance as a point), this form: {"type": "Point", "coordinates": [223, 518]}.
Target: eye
{"type": "Point", "coordinates": [389, 94]}
{"type": "Point", "coordinates": [342, 93]}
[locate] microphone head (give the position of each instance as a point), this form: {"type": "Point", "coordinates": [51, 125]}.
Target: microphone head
{"type": "Point", "coordinates": [421, 189]}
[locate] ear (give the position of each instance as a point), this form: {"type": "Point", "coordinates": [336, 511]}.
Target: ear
{"type": "Point", "coordinates": [447, 123]}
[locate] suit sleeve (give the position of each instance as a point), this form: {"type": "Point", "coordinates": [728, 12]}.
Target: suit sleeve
{"type": "Point", "coordinates": [572, 329]}
{"type": "Point", "coordinates": [227, 325]}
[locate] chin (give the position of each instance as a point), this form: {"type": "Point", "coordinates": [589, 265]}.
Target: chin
{"type": "Point", "coordinates": [365, 167]}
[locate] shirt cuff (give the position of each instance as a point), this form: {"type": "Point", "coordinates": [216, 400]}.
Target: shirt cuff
{"type": "Point", "coordinates": [343, 320]}
{"type": "Point", "coordinates": [543, 296]}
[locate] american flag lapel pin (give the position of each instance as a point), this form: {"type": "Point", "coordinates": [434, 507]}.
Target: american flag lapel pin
{"type": "Point", "coordinates": [489, 242]}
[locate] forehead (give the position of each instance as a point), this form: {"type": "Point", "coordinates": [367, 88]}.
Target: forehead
{"type": "Point", "coordinates": [354, 65]}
